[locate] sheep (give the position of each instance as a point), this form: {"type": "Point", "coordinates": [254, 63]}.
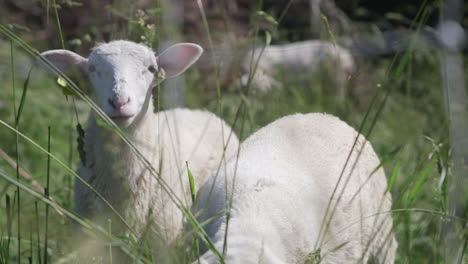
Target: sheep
{"type": "Point", "coordinates": [121, 74]}
{"type": "Point", "coordinates": [280, 185]}
{"type": "Point", "coordinates": [297, 57]}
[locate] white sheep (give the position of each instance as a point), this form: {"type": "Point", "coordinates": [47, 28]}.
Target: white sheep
{"type": "Point", "coordinates": [280, 186]}
{"type": "Point", "coordinates": [122, 77]}
{"type": "Point", "coordinates": [298, 58]}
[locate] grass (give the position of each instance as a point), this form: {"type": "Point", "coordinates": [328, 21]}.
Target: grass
{"type": "Point", "coordinates": [406, 124]}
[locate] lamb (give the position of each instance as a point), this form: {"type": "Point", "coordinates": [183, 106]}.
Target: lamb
{"type": "Point", "coordinates": [280, 185]}
{"type": "Point", "coordinates": [298, 57]}
{"type": "Point", "coordinates": [122, 74]}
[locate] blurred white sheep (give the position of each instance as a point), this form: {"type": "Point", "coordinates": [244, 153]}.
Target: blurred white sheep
{"type": "Point", "coordinates": [298, 58]}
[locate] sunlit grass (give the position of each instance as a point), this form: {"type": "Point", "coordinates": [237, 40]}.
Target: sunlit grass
{"type": "Point", "coordinates": [405, 123]}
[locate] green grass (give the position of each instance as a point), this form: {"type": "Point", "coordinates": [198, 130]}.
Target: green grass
{"type": "Point", "coordinates": [406, 124]}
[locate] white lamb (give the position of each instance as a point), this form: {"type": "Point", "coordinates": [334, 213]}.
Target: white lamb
{"type": "Point", "coordinates": [298, 58]}
{"type": "Point", "coordinates": [122, 75]}
{"type": "Point", "coordinates": [280, 186]}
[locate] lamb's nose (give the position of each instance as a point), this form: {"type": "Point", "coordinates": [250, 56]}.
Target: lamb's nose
{"type": "Point", "coordinates": [118, 103]}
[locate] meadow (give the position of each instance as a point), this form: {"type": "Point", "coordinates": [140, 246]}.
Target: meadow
{"type": "Point", "coordinates": [398, 101]}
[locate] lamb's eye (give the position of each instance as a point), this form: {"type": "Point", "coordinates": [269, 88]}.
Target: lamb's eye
{"type": "Point", "coordinates": [91, 68]}
{"type": "Point", "coordinates": [152, 69]}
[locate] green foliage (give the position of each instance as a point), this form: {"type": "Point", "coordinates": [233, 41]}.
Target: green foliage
{"type": "Point", "coordinates": [406, 124]}
{"type": "Point", "coordinates": [143, 26]}
{"type": "Point", "coordinates": [313, 258]}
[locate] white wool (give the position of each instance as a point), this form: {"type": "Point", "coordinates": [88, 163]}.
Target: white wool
{"type": "Point", "coordinates": [167, 139]}
{"type": "Point", "coordinates": [280, 186]}
{"type": "Point", "coordinates": [122, 75]}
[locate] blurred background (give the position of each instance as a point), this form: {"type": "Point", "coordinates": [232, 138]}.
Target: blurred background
{"type": "Point", "coordinates": [395, 70]}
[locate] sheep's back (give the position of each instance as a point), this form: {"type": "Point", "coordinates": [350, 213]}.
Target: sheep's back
{"type": "Point", "coordinates": [285, 177]}
{"type": "Point", "coordinates": [304, 157]}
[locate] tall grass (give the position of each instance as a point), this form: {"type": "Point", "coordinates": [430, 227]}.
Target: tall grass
{"type": "Point", "coordinates": [408, 130]}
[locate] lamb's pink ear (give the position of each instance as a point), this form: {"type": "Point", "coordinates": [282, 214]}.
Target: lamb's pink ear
{"type": "Point", "coordinates": [177, 58]}
{"type": "Point", "coordinates": [66, 61]}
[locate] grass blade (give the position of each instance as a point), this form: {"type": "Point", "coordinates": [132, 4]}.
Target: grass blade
{"type": "Point", "coordinates": [9, 225]}
{"type": "Point", "coordinates": [392, 180]}
{"type": "Point", "coordinates": [59, 26]}
{"type": "Point", "coordinates": [38, 235]}
{"type": "Point", "coordinates": [18, 215]}
{"type": "Point", "coordinates": [421, 180]}
{"type": "Point", "coordinates": [31, 244]}
{"type": "Point", "coordinates": [192, 182]}
{"type": "Point", "coordinates": [47, 191]}
{"type": "Point", "coordinates": [23, 97]}
{"type": "Point", "coordinates": [109, 221]}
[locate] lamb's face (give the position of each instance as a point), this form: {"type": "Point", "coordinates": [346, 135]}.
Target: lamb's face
{"type": "Point", "coordinates": [121, 74]}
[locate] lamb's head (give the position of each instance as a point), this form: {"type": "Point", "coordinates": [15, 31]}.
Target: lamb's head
{"type": "Point", "coordinates": [123, 73]}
